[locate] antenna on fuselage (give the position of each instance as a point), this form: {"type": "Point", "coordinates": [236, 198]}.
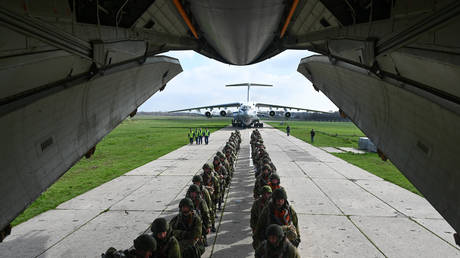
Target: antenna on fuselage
{"type": "Point", "coordinates": [248, 84]}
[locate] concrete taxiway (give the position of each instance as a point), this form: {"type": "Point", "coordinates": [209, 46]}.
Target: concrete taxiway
{"type": "Point", "coordinates": [343, 210]}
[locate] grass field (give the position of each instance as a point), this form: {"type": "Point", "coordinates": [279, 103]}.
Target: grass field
{"type": "Point", "coordinates": [346, 134]}
{"type": "Point", "coordinates": [132, 144]}
{"type": "Point", "coordinates": [331, 134]}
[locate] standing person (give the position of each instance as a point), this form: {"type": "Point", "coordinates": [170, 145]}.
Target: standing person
{"type": "Point", "coordinates": [196, 136]}
{"type": "Point", "coordinates": [191, 135]}
{"type": "Point", "coordinates": [206, 136]}
{"type": "Point", "coordinates": [200, 136]}
{"type": "Point", "coordinates": [312, 135]}
{"type": "Point", "coordinates": [288, 130]}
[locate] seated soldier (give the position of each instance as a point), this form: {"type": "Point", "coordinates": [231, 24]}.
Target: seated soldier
{"type": "Point", "coordinates": [144, 246]}
{"type": "Point", "coordinates": [276, 245]}
{"type": "Point", "coordinates": [186, 227]}
{"type": "Point", "coordinates": [167, 244]}
{"type": "Point", "coordinates": [256, 209]}
{"type": "Point", "coordinates": [278, 211]}
{"type": "Point", "coordinates": [211, 183]}
{"type": "Point", "coordinates": [198, 180]}
{"type": "Point", "coordinates": [200, 208]}
{"type": "Point", "coordinates": [274, 182]}
{"type": "Point", "coordinates": [261, 181]}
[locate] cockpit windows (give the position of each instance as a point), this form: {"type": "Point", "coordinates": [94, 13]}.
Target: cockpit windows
{"type": "Point", "coordinates": [245, 108]}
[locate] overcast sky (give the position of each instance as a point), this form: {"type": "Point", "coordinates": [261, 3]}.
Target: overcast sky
{"type": "Point", "coordinates": [203, 83]}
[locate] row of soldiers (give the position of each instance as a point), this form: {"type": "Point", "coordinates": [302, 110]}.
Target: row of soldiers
{"type": "Point", "coordinates": [198, 135]}
{"type": "Point", "coordinates": [274, 223]}
{"type": "Point", "coordinates": [185, 235]}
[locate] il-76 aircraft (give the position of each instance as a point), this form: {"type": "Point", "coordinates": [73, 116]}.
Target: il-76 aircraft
{"type": "Point", "coordinates": [248, 113]}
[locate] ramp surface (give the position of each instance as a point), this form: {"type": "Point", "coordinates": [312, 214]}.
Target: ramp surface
{"type": "Point", "coordinates": [116, 212]}
{"type": "Point", "coordinates": [343, 210]}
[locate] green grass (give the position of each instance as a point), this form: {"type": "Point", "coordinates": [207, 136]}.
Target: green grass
{"type": "Point", "coordinates": [346, 134]}
{"type": "Point", "coordinates": [133, 143]}
{"type": "Point", "coordinates": [384, 169]}
{"type": "Point", "coordinates": [330, 134]}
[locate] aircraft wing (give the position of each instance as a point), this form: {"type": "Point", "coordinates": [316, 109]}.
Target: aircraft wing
{"type": "Point", "coordinates": [236, 104]}
{"type": "Point", "coordinates": [263, 105]}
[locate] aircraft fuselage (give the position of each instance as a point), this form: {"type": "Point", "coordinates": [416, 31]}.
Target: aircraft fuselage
{"type": "Point", "coordinates": [246, 115]}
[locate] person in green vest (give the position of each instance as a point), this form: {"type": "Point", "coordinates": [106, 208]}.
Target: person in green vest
{"type": "Point", "coordinates": [200, 136]}
{"type": "Point", "coordinates": [206, 136]}
{"type": "Point", "coordinates": [191, 136]}
{"type": "Point", "coordinates": [196, 136]}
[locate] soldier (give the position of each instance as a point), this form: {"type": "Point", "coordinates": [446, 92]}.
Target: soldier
{"type": "Point", "coordinates": [198, 180]}
{"type": "Point", "coordinates": [224, 184]}
{"type": "Point", "coordinates": [186, 227]}
{"type": "Point", "coordinates": [144, 246]}
{"type": "Point", "coordinates": [276, 245]}
{"type": "Point", "coordinates": [223, 160]}
{"type": "Point", "coordinates": [230, 159]}
{"type": "Point", "coordinates": [278, 211]}
{"type": "Point", "coordinates": [222, 176]}
{"type": "Point", "coordinates": [256, 209]}
{"type": "Point", "coordinates": [167, 244]}
{"type": "Point", "coordinates": [261, 181]}
{"type": "Point", "coordinates": [274, 181]}
{"type": "Point", "coordinates": [211, 183]}
{"type": "Point", "coordinates": [201, 209]}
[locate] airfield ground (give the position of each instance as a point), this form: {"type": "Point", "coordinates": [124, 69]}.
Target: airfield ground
{"type": "Point", "coordinates": [132, 144]}
{"type": "Point", "coordinates": [343, 210]}
{"type": "Point", "coordinates": [145, 138]}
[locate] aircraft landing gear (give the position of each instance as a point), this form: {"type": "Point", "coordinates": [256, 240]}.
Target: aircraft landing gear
{"type": "Point", "coordinates": [258, 124]}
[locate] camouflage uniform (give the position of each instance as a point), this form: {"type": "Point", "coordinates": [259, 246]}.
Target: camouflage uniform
{"type": "Point", "coordinates": [282, 247]}
{"type": "Point", "coordinates": [187, 230]}
{"type": "Point", "coordinates": [197, 179]}
{"type": "Point", "coordinates": [167, 247]}
{"type": "Point", "coordinates": [211, 183]}
{"type": "Point", "coordinates": [256, 209]}
{"type": "Point", "coordinates": [261, 181]}
{"type": "Point", "coordinates": [286, 217]}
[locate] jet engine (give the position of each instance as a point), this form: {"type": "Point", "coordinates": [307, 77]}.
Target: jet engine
{"type": "Point", "coordinates": [271, 113]}
{"type": "Point", "coordinates": [287, 114]}
{"type": "Point", "coordinates": [208, 114]}
{"type": "Point", "coordinates": [223, 113]}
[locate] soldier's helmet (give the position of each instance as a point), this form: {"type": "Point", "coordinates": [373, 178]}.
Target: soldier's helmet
{"type": "Point", "coordinates": [146, 243]}
{"type": "Point", "coordinates": [220, 154]}
{"type": "Point", "coordinates": [266, 189]}
{"type": "Point", "coordinates": [186, 202]}
{"type": "Point", "coordinates": [159, 225]}
{"type": "Point", "coordinates": [266, 167]}
{"type": "Point", "coordinates": [197, 178]}
{"type": "Point", "coordinates": [216, 158]}
{"type": "Point", "coordinates": [274, 176]}
{"type": "Point", "coordinates": [274, 230]}
{"type": "Point", "coordinates": [194, 189]}
{"type": "Point", "coordinates": [279, 194]}
{"type": "Point", "coordinates": [207, 166]}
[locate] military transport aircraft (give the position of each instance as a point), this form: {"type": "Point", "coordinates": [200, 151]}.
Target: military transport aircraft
{"type": "Point", "coordinates": [71, 71]}
{"type": "Point", "coordinates": [248, 113]}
